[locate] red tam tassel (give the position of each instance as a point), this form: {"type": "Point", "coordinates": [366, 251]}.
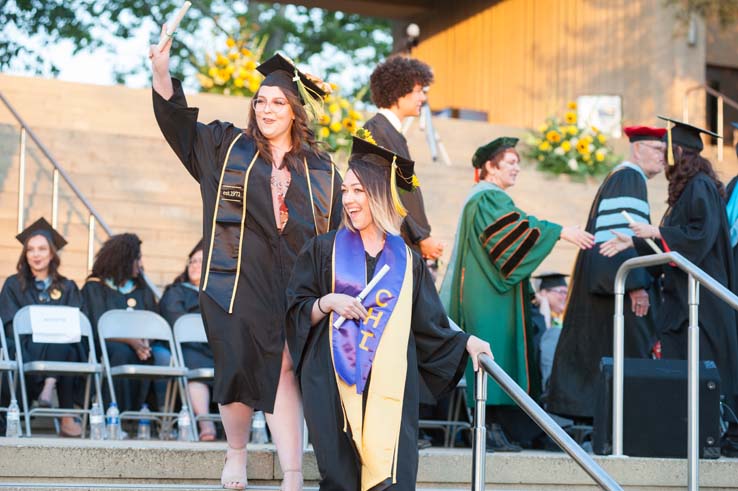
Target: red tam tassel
{"type": "Point", "coordinates": [476, 174]}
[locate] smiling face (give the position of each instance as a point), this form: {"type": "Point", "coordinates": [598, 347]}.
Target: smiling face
{"type": "Point", "coordinates": [39, 255]}
{"type": "Point", "coordinates": [505, 173]}
{"type": "Point", "coordinates": [410, 104]}
{"type": "Point", "coordinates": [356, 202]}
{"type": "Point", "coordinates": [273, 112]}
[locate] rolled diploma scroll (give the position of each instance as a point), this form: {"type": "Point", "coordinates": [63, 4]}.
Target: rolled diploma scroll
{"type": "Point", "coordinates": [650, 242]}
{"type": "Point", "coordinates": [173, 25]}
{"type": "Point", "coordinates": [365, 291]}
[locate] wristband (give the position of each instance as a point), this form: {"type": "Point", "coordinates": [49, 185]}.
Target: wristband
{"type": "Point", "coordinates": [321, 310]}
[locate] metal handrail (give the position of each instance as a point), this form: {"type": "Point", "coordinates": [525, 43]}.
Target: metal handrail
{"type": "Point", "coordinates": [696, 277]}
{"type": "Point", "coordinates": [93, 216]}
{"type": "Point", "coordinates": [537, 414]}
{"type": "Point", "coordinates": [722, 99]}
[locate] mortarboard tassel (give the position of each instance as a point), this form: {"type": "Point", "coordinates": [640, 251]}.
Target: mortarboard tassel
{"type": "Point", "coordinates": [393, 190]}
{"type": "Point", "coordinates": [670, 148]}
{"type": "Point", "coordinates": [313, 103]}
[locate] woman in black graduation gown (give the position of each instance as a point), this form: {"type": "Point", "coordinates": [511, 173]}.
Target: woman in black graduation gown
{"type": "Point", "coordinates": [116, 283]}
{"type": "Point", "coordinates": [180, 298]}
{"type": "Point", "coordinates": [38, 282]}
{"type": "Point", "coordinates": [695, 225]}
{"type": "Point", "coordinates": [361, 394]}
{"type": "Point", "coordinates": [266, 191]}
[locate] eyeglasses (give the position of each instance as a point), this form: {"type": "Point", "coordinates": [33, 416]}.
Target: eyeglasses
{"type": "Point", "coordinates": [559, 291]}
{"type": "Point", "coordinates": [260, 105]}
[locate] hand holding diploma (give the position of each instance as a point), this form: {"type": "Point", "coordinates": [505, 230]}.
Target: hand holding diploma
{"type": "Point", "coordinates": [360, 298]}
{"type": "Point", "coordinates": [159, 55]}
{"type": "Point", "coordinates": [644, 231]}
{"type": "Point", "coordinates": [168, 32]}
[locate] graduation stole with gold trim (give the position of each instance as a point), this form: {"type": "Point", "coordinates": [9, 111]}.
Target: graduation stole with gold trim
{"type": "Point", "coordinates": [223, 265]}
{"type": "Point", "coordinates": [377, 345]}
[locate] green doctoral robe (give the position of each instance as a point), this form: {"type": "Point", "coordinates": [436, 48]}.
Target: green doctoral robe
{"type": "Point", "coordinates": [487, 288]}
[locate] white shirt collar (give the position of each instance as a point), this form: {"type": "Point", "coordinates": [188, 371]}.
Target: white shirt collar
{"type": "Point", "coordinates": [392, 118]}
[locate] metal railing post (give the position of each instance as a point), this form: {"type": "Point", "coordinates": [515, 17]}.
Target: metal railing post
{"type": "Point", "coordinates": [21, 179]}
{"type": "Point", "coordinates": [479, 451]}
{"type": "Point", "coordinates": [55, 199]}
{"type": "Point", "coordinates": [693, 385]}
{"type": "Point", "coordinates": [618, 358]}
{"type": "Point", "coordinates": [90, 243]}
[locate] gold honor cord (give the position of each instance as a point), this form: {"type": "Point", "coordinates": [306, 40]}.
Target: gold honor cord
{"type": "Point", "coordinates": [310, 192]}
{"type": "Point", "coordinates": [393, 189]}
{"type": "Point", "coordinates": [330, 208]}
{"type": "Point", "coordinates": [215, 211]}
{"type": "Point", "coordinates": [670, 149]}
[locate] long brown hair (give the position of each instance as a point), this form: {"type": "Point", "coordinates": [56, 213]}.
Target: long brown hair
{"type": "Point", "coordinates": [25, 275]}
{"type": "Point", "coordinates": [303, 138]}
{"type": "Point", "coordinates": [687, 164]}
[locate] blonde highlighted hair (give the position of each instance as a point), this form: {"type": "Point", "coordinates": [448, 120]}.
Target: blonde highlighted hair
{"type": "Point", "coordinates": [374, 176]}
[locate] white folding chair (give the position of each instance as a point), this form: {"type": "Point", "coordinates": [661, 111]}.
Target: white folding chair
{"type": "Point", "coordinates": [91, 369]}
{"type": "Point", "coordinates": [143, 324]}
{"type": "Point", "coordinates": [9, 366]}
{"type": "Point", "coordinates": [190, 329]}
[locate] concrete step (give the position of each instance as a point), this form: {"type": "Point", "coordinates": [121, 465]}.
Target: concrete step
{"type": "Point", "coordinates": [64, 461]}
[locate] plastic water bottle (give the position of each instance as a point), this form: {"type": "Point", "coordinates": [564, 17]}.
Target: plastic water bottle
{"type": "Point", "coordinates": [112, 422]}
{"type": "Point", "coordinates": [184, 432]}
{"type": "Point", "coordinates": [12, 427]}
{"type": "Point", "coordinates": [258, 428]}
{"type": "Point", "coordinates": [97, 422]}
{"type": "Point", "coordinates": [144, 424]}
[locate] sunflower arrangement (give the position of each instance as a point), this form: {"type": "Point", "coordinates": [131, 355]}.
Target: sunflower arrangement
{"type": "Point", "coordinates": [232, 71]}
{"type": "Point", "coordinates": [560, 146]}
{"type": "Point", "coordinates": [340, 121]}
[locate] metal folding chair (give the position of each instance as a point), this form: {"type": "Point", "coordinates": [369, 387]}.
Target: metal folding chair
{"type": "Point", "coordinates": [9, 366]}
{"type": "Point", "coordinates": [190, 329]}
{"type": "Point", "coordinates": [91, 369]}
{"type": "Point", "coordinates": [143, 324]}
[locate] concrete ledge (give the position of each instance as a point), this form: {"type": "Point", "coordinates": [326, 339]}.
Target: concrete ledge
{"type": "Point", "coordinates": [131, 462]}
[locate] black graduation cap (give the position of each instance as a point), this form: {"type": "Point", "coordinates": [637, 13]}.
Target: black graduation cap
{"type": "Point", "coordinates": [280, 71]}
{"type": "Point", "coordinates": [551, 280]}
{"type": "Point", "coordinates": [686, 135]}
{"type": "Point", "coordinates": [486, 152]}
{"type": "Point", "coordinates": [404, 168]}
{"type": "Point", "coordinates": [42, 227]}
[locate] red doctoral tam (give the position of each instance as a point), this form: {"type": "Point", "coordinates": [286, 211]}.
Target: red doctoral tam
{"type": "Point", "coordinates": [643, 133]}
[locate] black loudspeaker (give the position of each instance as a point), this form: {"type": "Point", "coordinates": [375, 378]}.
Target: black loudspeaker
{"type": "Point", "coordinates": [655, 409]}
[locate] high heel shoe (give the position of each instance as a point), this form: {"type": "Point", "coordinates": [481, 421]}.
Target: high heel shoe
{"type": "Point", "coordinates": [234, 480]}
{"type": "Point", "coordinates": [291, 471]}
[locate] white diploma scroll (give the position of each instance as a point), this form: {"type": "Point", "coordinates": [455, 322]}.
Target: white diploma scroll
{"type": "Point", "coordinates": [365, 291]}
{"type": "Point", "coordinates": [650, 242]}
{"type": "Point", "coordinates": [54, 324]}
{"type": "Point", "coordinates": [173, 25]}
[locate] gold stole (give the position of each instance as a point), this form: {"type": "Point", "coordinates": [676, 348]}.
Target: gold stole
{"type": "Point", "coordinates": [376, 434]}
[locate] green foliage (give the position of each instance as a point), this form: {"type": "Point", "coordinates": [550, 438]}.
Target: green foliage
{"type": "Point", "coordinates": [724, 11]}
{"type": "Point", "coordinates": [88, 24]}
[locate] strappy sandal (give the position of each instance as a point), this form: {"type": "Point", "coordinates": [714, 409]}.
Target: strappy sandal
{"type": "Point", "coordinates": [291, 471]}
{"type": "Point", "coordinates": [235, 480]}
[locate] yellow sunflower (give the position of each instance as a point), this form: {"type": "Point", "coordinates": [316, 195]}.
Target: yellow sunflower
{"type": "Point", "coordinates": [602, 138]}
{"type": "Point", "coordinates": [230, 42]}
{"type": "Point", "coordinates": [571, 105]}
{"type": "Point", "coordinates": [324, 132]}
{"type": "Point", "coordinates": [566, 145]}
{"type": "Point", "coordinates": [553, 136]}
{"type": "Point", "coordinates": [570, 117]}
{"type": "Point", "coordinates": [335, 127]}
{"type": "Point", "coordinates": [544, 146]}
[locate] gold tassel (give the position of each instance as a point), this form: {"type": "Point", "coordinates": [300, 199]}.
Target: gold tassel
{"type": "Point", "coordinates": [312, 101]}
{"type": "Point", "coordinates": [393, 190]}
{"type": "Point", "coordinates": [670, 148]}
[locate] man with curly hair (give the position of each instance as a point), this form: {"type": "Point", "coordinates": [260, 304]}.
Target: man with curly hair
{"type": "Point", "coordinates": [398, 89]}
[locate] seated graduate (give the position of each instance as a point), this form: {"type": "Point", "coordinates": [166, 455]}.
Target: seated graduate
{"type": "Point", "coordinates": [38, 282]}
{"type": "Point", "coordinates": [180, 298]}
{"type": "Point", "coordinates": [116, 283]}
{"type": "Point", "coordinates": [696, 226]}
{"type": "Point", "coordinates": [360, 381]}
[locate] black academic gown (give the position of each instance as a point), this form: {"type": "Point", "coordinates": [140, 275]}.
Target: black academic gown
{"type": "Point", "coordinates": [248, 343]}
{"type": "Point", "coordinates": [696, 226]}
{"type": "Point", "coordinates": [587, 333]}
{"type": "Point", "coordinates": [435, 352]}
{"type": "Point", "coordinates": [178, 300]}
{"type": "Point", "coordinates": [415, 226]}
{"type": "Point", "coordinates": [98, 298]}
{"type": "Point", "coordinates": [12, 299]}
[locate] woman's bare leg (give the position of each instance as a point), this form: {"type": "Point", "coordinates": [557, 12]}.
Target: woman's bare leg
{"type": "Point", "coordinates": [236, 418]}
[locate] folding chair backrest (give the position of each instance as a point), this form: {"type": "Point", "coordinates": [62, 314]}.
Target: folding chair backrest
{"type": "Point", "coordinates": [22, 327]}
{"type": "Point", "coordinates": [140, 324]}
{"type": "Point", "coordinates": [189, 328]}
{"type": "Point", "coordinates": [4, 353]}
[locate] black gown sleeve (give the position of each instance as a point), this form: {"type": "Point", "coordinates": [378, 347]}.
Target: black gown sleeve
{"type": "Point", "coordinates": [303, 290]}
{"type": "Point", "coordinates": [624, 190]}
{"type": "Point", "coordinates": [337, 210]}
{"type": "Point", "coordinates": [693, 237]}
{"type": "Point", "coordinates": [10, 303]}
{"type": "Point", "coordinates": [441, 351]}
{"type": "Point", "coordinates": [72, 296]}
{"type": "Point", "coordinates": [197, 145]}
{"type": "Point", "coordinates": [172, 305]}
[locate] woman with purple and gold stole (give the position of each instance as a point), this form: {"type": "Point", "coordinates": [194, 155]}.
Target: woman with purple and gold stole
{"type": "Point", "coordinates": [266, 190]}
{"type": "Point", "coordinates": [360, 380]}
